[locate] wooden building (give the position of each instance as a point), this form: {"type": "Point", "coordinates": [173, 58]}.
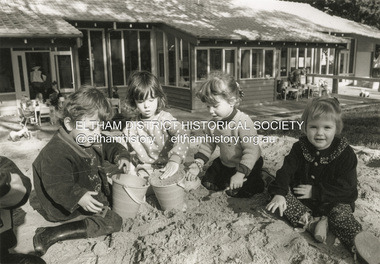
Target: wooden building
{"type": "Point", "coordinates": [98, 43]}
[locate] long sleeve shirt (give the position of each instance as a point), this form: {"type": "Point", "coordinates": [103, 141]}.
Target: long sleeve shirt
{"type": "Point", "coordinates": [331, 172]}
{"type": "Point", "coordinates": [241, 154]}
{"type": "Point", "coordinates": [153, 144]}
{"type": "Point", "coordinates": [64, 171]}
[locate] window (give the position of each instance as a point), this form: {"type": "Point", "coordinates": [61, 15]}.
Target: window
{"type": "Point", "coordinates": [131, 52]}
{"type": "Point", "coordinates": [257, 63]}
{"type": "Point", "coordinates": [116, 58]}
{"type": "Point", "coordinates": [376, 62]}
{"type": "Point", "coordinates": [184, 65]}
{"type": "Point", "coordinates": [284, 62]}
{"type": "Point", "coordinates": [97, 53]}
{"type": "Point", "coordinates": [293, 59]}
{"type": "Point", "coordinates": [268, 66]}
{"type": "Point", "coordinates": [173, 60]}
{"type": "Point", "coordinates": [214, 59]}
{"type": "Point", "coordinates": [6, 72]}
{"type": "Point", "coordinates": [245, 62]}
{"type": "Point", "coordinates": [171, 40]}
{"type": "Point", "coordinates": [202, 63]}
{"type": "Point", "coordinates": [160, 56]}
{"type": "Point", "coordinates": [229, 58]}
{"type": "Point", "coordinates": [91, 59]}
{"type": "Point", "coordinates": [145, 52]}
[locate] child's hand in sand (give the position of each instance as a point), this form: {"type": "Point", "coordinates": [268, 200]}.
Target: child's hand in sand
{"type": "Point", "coordinates": [169, 169]}
{"type": "Point", "coordinates": [279, 202]}
{"type": "Point", "coordinates": [89, 203]}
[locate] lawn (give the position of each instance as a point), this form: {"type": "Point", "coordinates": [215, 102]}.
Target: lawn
{"type": "Point", "coordinates": [361, 127]}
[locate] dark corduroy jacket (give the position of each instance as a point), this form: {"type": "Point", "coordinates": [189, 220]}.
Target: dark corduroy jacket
{"type": "Point", "coordinates": [7, 236]}
{"type": "Point", "coordinates": [63, 172]}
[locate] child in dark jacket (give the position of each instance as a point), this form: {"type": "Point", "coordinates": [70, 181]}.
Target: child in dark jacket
{"type": "Point", "coordinates": [66, 173]}
{"type": "Point", "coordinates": [15, 189]}
{"type": "Point", "coordinates": [317, 185]}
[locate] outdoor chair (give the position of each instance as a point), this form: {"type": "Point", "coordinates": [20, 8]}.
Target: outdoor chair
{"type": "Point", "coordinates": [27, 116]}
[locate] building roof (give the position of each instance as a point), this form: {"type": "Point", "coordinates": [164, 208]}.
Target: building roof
{"type": "Point", "coordinates": [251, 20]}
{"type": "Point", "coordinates": [17, 19]}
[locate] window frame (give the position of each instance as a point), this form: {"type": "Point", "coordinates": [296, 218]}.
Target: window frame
{"type": "Point", "coordinates": [224, 49]}
{"type": "Point", "coordinates": [263, 49]}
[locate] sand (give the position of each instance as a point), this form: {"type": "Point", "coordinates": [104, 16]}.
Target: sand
{"type": "Point", "coordinates": [214, 229]}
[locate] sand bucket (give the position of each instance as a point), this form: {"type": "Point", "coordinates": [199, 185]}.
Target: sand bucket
{"type": "Point", "coordinates": [170, 196]}
{"type": "Point", "coordinates": [128, 193]}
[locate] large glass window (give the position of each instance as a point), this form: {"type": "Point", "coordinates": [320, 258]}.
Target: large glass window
{"type": "Point", "coordinates": [85, 61]}
{"type": "Point", "coordinates": [97, 50]}
{"type": "Point", "coordinates": [268, 67]}
{"type": "Point", "coordinates": [308, 59]}
{"type": "Point", "coordinates": [116, 58]}
{"type": "Point", "coordinates": [202, 63]}
{"type": "Point", "coordinates": [184, 67]}
{"type": "Point", "coordinates": [160, 56]}
{"type": "Point", "coordinates": [145, 53]}
{"type": "Point", "coordinates": [376, 62]}
{"type": "Point", "coordinates": [208, 60]}
{"type": "Point", "coordinates": [245, 62]}
{"type": "Point", "coordinates": [331, 61]}
{"type": "Point", "coordinates": [6, 73]}
{"type": "Point", "coordinates": [229, 62]}
{"type": "Point", "coordinates": [284, 61]}
{"type": "Point", "coordinates": [91, 59]}
{"type": "Point", "coordinates": [64, 70]}
{"type": "Point", "coordinates": [293, 59]}
{"type": "Point", "coordinates": [171, 45]}
{"type": "Point", "coordinates": [131, 52]}
{"type": "Point", "coordinates": [257, 63]}
{"type": "Point", "coordinates": [216, 59]}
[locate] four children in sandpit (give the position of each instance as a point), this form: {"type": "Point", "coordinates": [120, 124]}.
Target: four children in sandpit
{"type": "Point", "coordinates": [309, 184]}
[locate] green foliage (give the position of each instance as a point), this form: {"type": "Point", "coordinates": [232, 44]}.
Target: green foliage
{"type": "Point", "coordinates": [362, 11]}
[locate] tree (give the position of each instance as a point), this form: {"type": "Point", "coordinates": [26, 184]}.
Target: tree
{"type": "Point", "coordinates": [362, 11]}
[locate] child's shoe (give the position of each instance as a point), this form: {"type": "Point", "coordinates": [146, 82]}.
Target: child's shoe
{"type": "Point", "coordinates": [367, 248]}
{"type": "Point", "coordinates": [318, 226]}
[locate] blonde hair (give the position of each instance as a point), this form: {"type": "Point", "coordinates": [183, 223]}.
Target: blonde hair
{"type": "Point", "coordinates": [222, 84]}
{"type": "Point", "coordinates": [323, 107]}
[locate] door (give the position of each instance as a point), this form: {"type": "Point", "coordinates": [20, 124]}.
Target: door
{"type": "Point", "coordinates": [62, 70]}
{"type": "Point", "coordinates": [35, 65]}
{"type": "Point", "coordinates": [20, 74]}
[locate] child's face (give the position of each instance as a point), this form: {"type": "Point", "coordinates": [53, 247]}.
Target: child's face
{"type": "Point", "coordinates": [221, 109]}
{"type": "Point", "coordinates": [147, 107]}
{"type": "Point", "coordinates": [88, 127]}
{"type": "Point", "coordinates": [320, 132]}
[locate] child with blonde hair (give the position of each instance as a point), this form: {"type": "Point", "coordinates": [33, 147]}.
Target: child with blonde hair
{"type": "Point", "coordinates": [316, 186]}
{"type": "Point", "coordinates": [238, 167]}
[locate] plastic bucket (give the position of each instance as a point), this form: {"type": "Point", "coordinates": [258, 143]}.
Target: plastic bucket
{"type": "Point", "coordinates": [171, 196]}
{"type": "Point", "coordinates": [128, 193]}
